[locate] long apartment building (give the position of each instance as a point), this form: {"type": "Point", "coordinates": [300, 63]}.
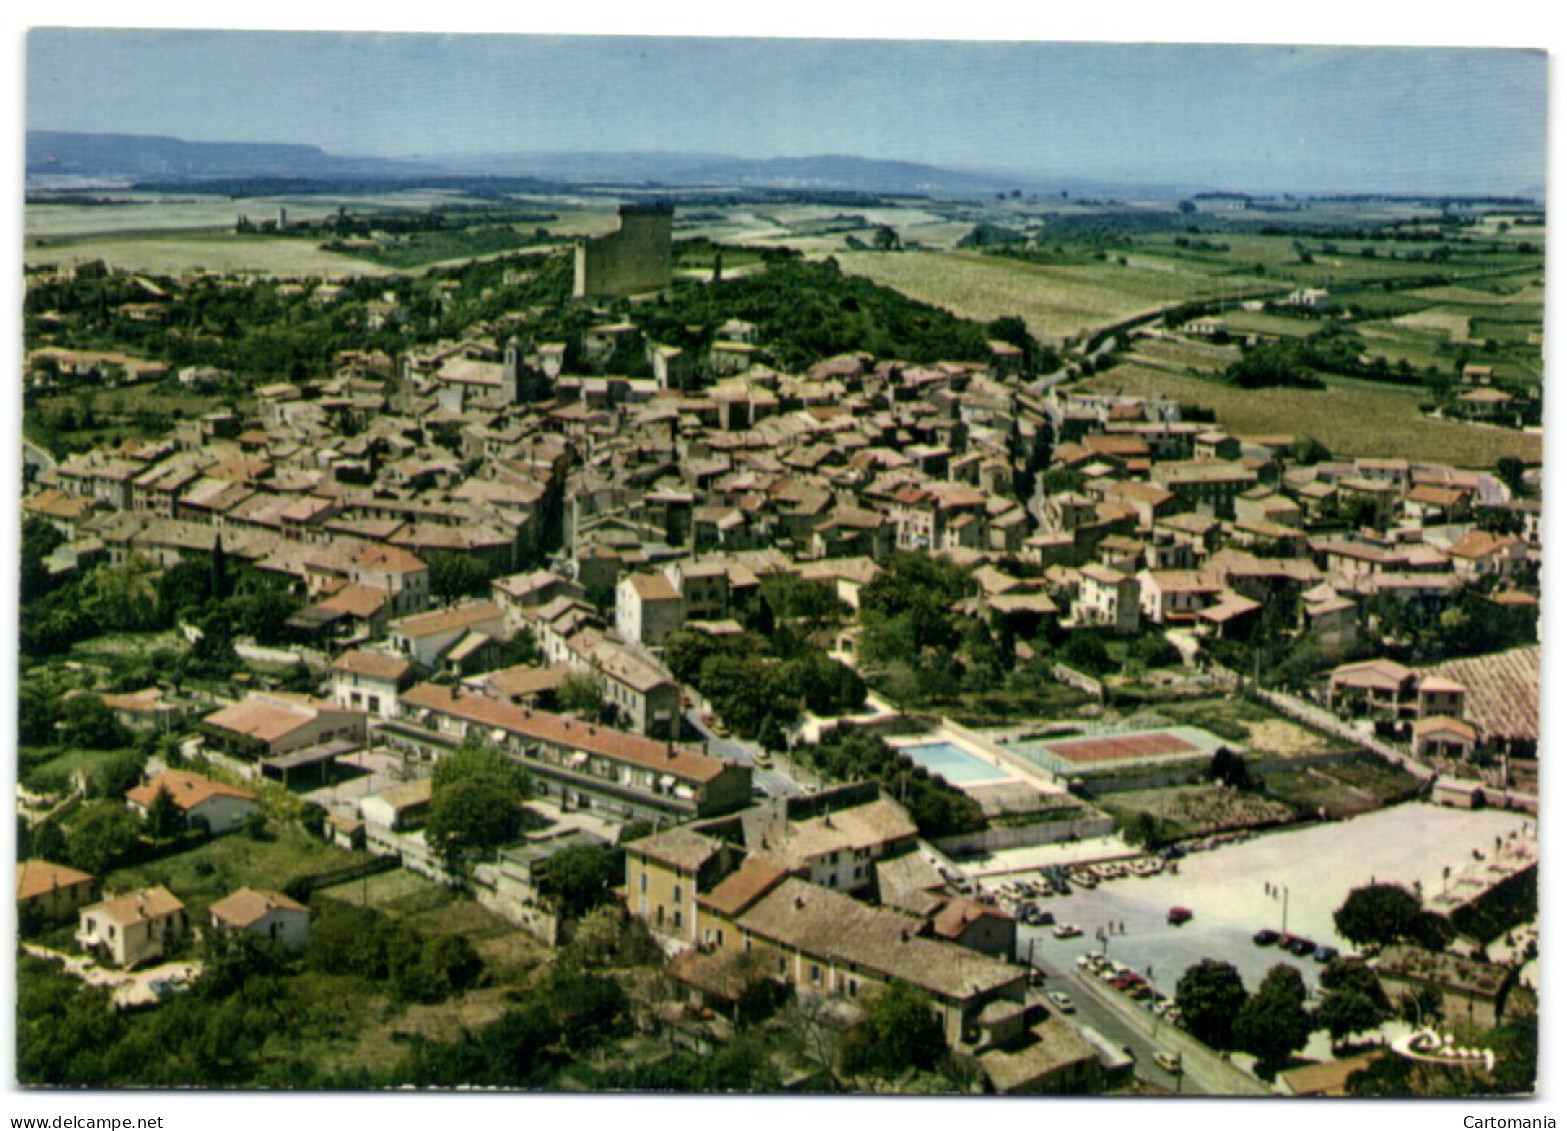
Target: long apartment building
{"type": "Point", "coordinates": [581, 764]}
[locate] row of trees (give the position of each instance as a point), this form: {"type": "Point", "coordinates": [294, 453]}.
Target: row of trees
{"type": "Point", "coordinates": [1274, 1022]}
{"type": "Point", "coordinates": [851, 753]}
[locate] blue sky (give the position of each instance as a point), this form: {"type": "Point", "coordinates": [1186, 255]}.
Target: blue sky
{"type": "Point", "coordinates": [1262, 117]}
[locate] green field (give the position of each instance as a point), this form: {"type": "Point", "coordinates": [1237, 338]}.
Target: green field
{"type": "Point", "coordinates": [1351, 418]}
{"type": "Point", "coordinates": [1056, 301]}
{"type": "Point", "coordinates": [211, 871]}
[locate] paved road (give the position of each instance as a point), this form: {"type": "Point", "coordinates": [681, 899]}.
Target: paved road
{"type": "Point", "coordinates": [36, 456]}
{"type": "Point", "coordinates": [1127, 1024]}
{"type": "Point", "coordinates": [773, 780]}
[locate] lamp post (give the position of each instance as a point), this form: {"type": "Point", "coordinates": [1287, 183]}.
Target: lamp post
{"type": "Point", "coordinates": [1277, 891]}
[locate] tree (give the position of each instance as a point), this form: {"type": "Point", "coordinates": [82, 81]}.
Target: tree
{"type": "Point", "coordinates": [165, 818]}
{"type": "Point", "coordinates": [113, 776]}
{"type": "Point", "coordinates": [458, 575]}
{"type": "Point", "coordinates": [901, 1030]}
{"type": "Point", "coordinates": [102, 835]}
{"type": "Point", "coordinates": [1210, 996]}
{"type": "Point", "coordinates": [1229, 768]}
{"type": "Point", "coordinates": [87, 721]}
{"type": "Point", "coordinates": [473, 814]}
{"type": "Point", "coordinates": [39, 540]}
{"type": "Point", "coordinates": [582, 694]}
{"type": "Point", "coordinates": [886, 239]}
{"type": "Point", "coordinates": [480, 760]}
{"type": "Point", "coordinates": [1377, 914]}
{"type": "Point", "coordinates": [1273, 1022]}
{"type": "Point", "coordinates": [1344, 1013]}
{"type": "Point", "coordinates": [609, 937]}
{"type": "Point", "coordinates": [1509, 469]}
{"type": "Point", "coordinates": [577, 880]}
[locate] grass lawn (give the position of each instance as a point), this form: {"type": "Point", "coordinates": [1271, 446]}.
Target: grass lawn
{"type": "Point", "coordinates": [65, 763]}
{"type": "Point", "coordinates": [1352, 420]}
{"type": "Point", "coordinates": [212, 870]}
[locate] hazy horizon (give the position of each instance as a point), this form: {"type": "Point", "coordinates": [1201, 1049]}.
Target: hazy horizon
{"type": "Point", "coordinates": [1263, 118]}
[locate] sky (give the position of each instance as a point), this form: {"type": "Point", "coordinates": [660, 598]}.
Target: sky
{"type": "Point", "coordinates": [1259, 117]}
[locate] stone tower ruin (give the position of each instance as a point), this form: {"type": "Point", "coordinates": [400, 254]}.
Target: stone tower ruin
{"type": "Point", "coordinates": [630, 261]}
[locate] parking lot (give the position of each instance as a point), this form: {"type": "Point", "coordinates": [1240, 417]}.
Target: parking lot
{"type": "Point", "coordinates": [1228, 891]}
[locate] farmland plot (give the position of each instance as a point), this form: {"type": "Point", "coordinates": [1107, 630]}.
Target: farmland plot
{"type": "Point", "coordinates": [1352, 419]}
{"type": "Point", "coordinates": [1056, 302]}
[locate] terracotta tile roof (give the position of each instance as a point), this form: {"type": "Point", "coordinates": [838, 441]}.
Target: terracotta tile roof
{"type": "Point", "coordinates": [1481, 544]}
{"type": "Point", "coordinates": [248, 906]}
{"type": "Point", "coordinates": [264, 717]}
{"type": "Point", "coordinates": [391, 559]}
{"type": "Point", "coordinates": [373, 665]}
{"type": "Point", "coordinates": [830, 925]}
{"type": "Point", "coordinates": [1435, 724]}
{"type": "Point", "coordinates": [953, 919]}
{"type": "Point", "coordinates": [150, 903]}
{"type": "Point", "coordinates": [448, 620]}
{"type": "Point", "coordinates": [681, 848]}
{"type": "Point", "coordinates": [36, 877]}
{"type": "Point", "coordinates": [361, 601]}
{"type": "Point", "coordinates": [1383, 675]}
{"type": "Point", "coordinates": [757, 876]}
{"type": "Point", "coordinates": [652, 587]}
{"type": "Point", "coordinates": [879, 822]}
{"type": "Point", "coordinates": [187, 790]}
{"type": "Point", "coordinates": [558, 730]}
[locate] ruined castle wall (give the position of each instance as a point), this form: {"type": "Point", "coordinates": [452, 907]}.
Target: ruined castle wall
{"type": "Point", "coordinates": [635, 259]}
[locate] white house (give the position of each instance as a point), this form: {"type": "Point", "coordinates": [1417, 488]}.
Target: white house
{"type": "Point", "coordinates": [222, 808]}
{"type": "Point", "coordinates": [1106, 596]}
{"type": "Point", "coordinates": [132, 928]}
{"type": "Point", "coordinates": [429, 637]}
{"type": "Point", "coordinates": [266, 914]}
{"type": "Point", "coordinates": [647, 609]}
{"type": "Point", "coordinates": [369, 681]}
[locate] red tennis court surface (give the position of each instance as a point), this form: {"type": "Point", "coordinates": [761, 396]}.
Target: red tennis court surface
{"type": "Point", "coordinates": [1123, 749]}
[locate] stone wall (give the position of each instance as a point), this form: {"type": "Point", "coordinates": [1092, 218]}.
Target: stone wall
{"type": "Point", "coordinates": [635, 259]}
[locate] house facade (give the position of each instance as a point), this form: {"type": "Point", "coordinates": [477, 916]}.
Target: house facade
{"type": "Point", "coordinates": [132, 929]}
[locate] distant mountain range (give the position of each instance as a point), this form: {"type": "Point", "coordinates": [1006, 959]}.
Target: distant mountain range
{"type": "Point", "coordinates": [80, 159]}
{"type": "Point", "coordinates": [130, 158]}
{"type": "Point", "coordinates": [133, 157]}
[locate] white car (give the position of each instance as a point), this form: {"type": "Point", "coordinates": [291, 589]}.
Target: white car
{"type": "Point", "coordinates": [1066, 931]}
{"type": "Point", "coordinates": [1062, 1002]}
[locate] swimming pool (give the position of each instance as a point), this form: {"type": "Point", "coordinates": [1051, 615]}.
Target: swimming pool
{"type": "Point", "coordinates": [953, 763]}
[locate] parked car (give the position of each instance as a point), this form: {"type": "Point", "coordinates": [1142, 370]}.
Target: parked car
{"type": "Point", "coordinates": [1178, 915]}
{"type": "Point", "coordinates": [1265, 937]}
{"type": "Point", "coordinates": [1300, 948]}
{"type": "Point", "coordinates": [1326, 953]}
{"type": "Point", "coordinates": [1170, 1062]}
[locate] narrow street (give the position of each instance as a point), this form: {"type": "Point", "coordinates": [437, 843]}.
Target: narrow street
{"type": "Point", "coordinates": [1127, 1024]}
